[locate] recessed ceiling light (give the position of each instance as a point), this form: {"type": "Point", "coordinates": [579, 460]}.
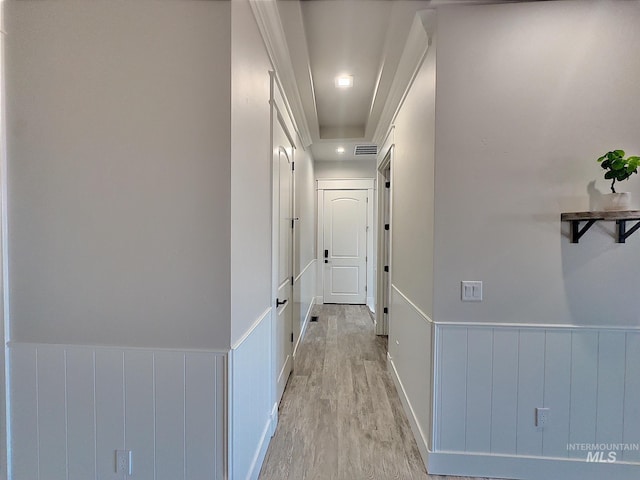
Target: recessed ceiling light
{"type": "Point", "coordinates": [340, 150]}
{"type": "Point", "coordinates": [344, 81]}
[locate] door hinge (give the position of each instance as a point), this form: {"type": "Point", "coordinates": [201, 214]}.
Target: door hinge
{"type": "Point", "coordinates": [292, 223]}
{"type": "Point", "coordinates": [387, 184]}
{"type": "Point", "coordinates": [367, 199]}
{"type": "Point", "coordinates": [291, 280]}
{"type": "Point", "coordinates": [385, 310]}
{"type": "Point", "coordinates": [365, 288]}
{"type": "Point", "coordinates": [386, 226]}
{"type": "Point", "coordinates": [386, 268]}
{"type": "Point", "coordinates": [291, 337]}
{"type": "Point", "coordinates": [293, 166]}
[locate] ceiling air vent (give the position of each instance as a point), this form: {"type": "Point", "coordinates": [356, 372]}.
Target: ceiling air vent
{"type": "Point", "coordinates": [366, 150]}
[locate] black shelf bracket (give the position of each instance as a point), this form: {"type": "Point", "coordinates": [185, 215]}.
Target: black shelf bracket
{"type": "Point", "coordinates": [623, 233]}
{"type": "Point", "coordinates": [577, 232]}
{"type": "Point", "coordinates": [620, 217]}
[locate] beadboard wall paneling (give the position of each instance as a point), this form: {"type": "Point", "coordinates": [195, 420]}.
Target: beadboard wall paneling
{"type": "Point", "coordinates": [410, 363]}
{"type": "Point", "coordinates": [72, 407]}
{"type": "Point", "coordinates": [252, 376]}
{"type": "Point", "coordinates": [491, 378]}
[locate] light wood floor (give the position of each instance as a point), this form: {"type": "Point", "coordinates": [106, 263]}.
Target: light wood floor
{"type": "Point", "coordinates": [340, 417]}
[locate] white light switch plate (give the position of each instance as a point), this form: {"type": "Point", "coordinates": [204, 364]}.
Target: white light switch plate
{"type": "Point", "coordinates": [471, 291]}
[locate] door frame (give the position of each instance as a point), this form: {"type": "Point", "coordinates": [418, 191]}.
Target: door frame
{"type": "Point", "coordinates": [279, 112]}
{"type": "Point", "coordinates": [385, 208]}
{"type": "Point", "coordinates": [368, 184]}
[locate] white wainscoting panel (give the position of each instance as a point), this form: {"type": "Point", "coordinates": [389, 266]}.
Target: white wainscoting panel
{"type": "Point", "coordinates": [503, 389]}
{"type": "Point", "coordinates": [304, 287]}
{"type": "Point", "coordinates": [72, 407]}
{"type": "Point", "coordinates": [584, 388]}
{"type": "Point", "coordinates": [251, 400]}
{"type": "Point", "coordinates": [81, 401]}
{"type": "Point", "coordinates": [139, 410]}
{"type": "Point", "coordinates": [410, 361]}
{"type": "Point", "coordinates": [479, 397]}
{"type": "Point", "coordinates": [631, 412]}
{"type": "Point", "coordinates": [557, 391]}
{"type": "Point", "coordinates": [491, 378]}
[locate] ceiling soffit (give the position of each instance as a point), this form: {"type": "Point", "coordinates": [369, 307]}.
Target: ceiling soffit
{"type": "Point", "coordinates": [284, 26]}
{"type": "Point", "coordinates": [345, 37]}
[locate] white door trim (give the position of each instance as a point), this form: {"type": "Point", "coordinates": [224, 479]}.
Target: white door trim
{"type": "Point", "coordinates": [279, 115]}
{"type": "Point", "coordinates": [346, 183]}
{"type": "Point", "coordinates": [383, 288]}
{"type": "Point", "coordinates": [368, 184]}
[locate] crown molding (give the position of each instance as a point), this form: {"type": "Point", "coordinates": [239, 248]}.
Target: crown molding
{"type": "Point", "coordinates": [270, 26]}
{"type": "Point", "coordinates": [415, 50]}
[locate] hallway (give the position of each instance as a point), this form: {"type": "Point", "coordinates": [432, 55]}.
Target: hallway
{"type": "Point", "coordinates": [340, 416]}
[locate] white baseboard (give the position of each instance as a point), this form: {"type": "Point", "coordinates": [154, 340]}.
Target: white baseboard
{"type": "Point", "coordinates": [251, 415]}
{"type": "Point", "coordinates": [526, 468]}
{"type": "Point", "coordinates": [274, 419]}
{"type": "Point", "coordinates": [371, 304]}
{"type": "Point", "coordinates": [423, 446]}
{"type": "Point", "coordinates": [303, 330]}
{"type": "Point", "coordinates": [261, 452]}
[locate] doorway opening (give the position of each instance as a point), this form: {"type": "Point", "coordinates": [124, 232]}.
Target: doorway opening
{"type": "Point", "coordinates": [383, 300]}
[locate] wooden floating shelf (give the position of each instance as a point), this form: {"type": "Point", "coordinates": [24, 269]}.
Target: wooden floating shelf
{"type": "Point", "coordinates": [621, 218]}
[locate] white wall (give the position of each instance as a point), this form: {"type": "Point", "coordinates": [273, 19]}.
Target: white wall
{"type": "Point", "coordinates": [119, 172]}
{"type": "Point", "coordinates": [140, 217]}
{"type": "Point", "coordinates": [346, 169]}
{"type": "Point", "coordinates": [413, 189]}
{"type": "Point", "coordinates": [529, 95]}
{"type": "Point", "coordinates": [305, 209]}
{"type": "Point", "coordinates": [304, 268]}
{"type": "Point", "coordinates": [3, 219]}
{"type": "Point", "coordinates": [251, 390]}
{"type": "Point", "coordinates": [250, 173]}
{"type": "Point", "coordinates": [411, 306]}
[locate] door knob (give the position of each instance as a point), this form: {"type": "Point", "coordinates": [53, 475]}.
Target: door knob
{"type": "Point", "coordinates": [278, 302]}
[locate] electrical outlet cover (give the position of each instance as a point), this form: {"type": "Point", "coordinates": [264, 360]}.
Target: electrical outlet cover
{"type": "Point", "coordinates": [542, 417]}
{"type": "Point", "coordinates": [123, 462]}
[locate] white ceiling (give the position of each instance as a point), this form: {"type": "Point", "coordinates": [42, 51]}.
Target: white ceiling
{"type": "Point", "coordinates": [363, 38]}
{"type": "Point", "coordinates": [345, 37]}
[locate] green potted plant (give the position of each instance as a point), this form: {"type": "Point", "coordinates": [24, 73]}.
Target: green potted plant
{"type": "Point", "coordinates": [618, 169]}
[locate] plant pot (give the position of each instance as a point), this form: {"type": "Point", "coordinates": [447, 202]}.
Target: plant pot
{"type": "Point", "coordinates": [612, 202]}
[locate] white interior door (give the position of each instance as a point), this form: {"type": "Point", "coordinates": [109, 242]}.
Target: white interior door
{"type": "Point", "coordinates": [345, 246]}
{"type": "Point", "coordinates": [283, 238]}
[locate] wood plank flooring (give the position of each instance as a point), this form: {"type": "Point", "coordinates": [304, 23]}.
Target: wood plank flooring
{"type": "Point", "coordinates": [340, 417]}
